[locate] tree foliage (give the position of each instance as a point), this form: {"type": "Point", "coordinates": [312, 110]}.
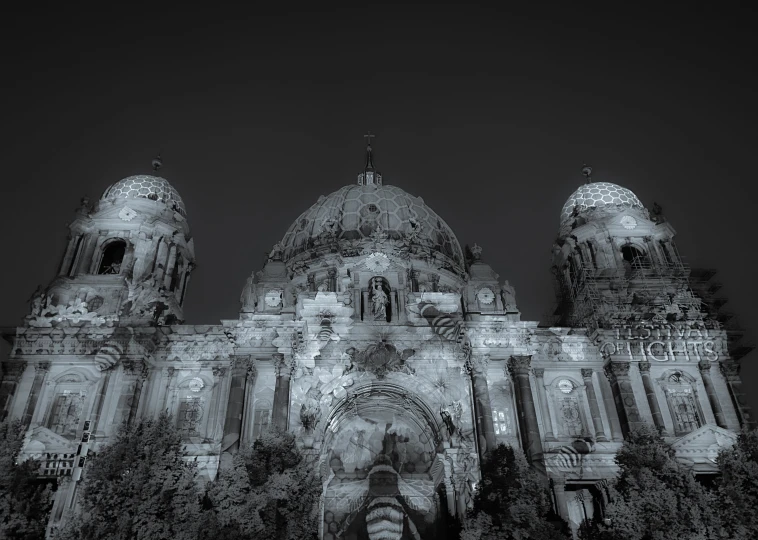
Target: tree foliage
{"type": "Point", "coordinates": [270, 491]}
{"type": "Point", "coordinates": [737, 488]}
{"type": "Point", "coordinates": [138, 487]}
{"type": "Point", "coordinates": [657, 498]}
{"type": "Point", "coordinates": [512, 502]}
{"type": "Point", "coordinates": [24, 502]}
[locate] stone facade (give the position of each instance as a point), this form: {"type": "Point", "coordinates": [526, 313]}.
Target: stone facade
{"type": "Point", "coordinates": [397, 358]}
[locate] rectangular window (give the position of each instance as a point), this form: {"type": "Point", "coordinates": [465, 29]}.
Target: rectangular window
{"type": "Point", "coordinates": [683, 410]}
{"type": "Point", "coordinates": [261, 422]}
{"type": "Point", "coordinates": [501, 421]}
{"type": "Point", "coordinates": [189, 416]}
{"type": "Point", "coordinates": [65, 415]}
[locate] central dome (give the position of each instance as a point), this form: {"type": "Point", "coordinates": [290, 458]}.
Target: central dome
{"type": "Point", "coordinates": [355, 212]}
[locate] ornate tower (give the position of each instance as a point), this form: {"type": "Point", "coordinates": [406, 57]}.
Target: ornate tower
{"type": "Point", "coordinates": [128, 258]}
{"type": "Point", "coordinates": [615, 263]}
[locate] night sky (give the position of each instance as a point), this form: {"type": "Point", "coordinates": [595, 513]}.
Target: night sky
{"type": "Point", "coordinates": [487, 115]}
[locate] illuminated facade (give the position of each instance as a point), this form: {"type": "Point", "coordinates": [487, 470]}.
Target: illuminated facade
{"type": "Point", "coordinates": [396, 357]}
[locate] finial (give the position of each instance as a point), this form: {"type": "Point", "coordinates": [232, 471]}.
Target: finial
{"type": "Point", "coordinates": [587, 172]}
{"type": "Point", "coordinates": [157, 163]}
{"type": "Point", "coordinates": [369, 174]}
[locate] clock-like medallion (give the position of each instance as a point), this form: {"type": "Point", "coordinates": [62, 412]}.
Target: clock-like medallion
{"type": "Point", "coordinates": [485, 295]}
{"type": "Point", "coordinates": [274, 297]}
{"type": "Point", "coordinates": [565, 386]}
{"type": "Point", "coordinates": [628, 222]}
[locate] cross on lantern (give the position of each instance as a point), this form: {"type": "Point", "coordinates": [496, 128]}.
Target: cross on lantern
{"type": "Point", "coordinates": [368, 136]}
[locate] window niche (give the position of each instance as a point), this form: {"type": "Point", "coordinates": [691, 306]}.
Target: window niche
{"type": "Point", "coordinates": [68, 404]}
{"type": "Point", "coordinates": [633, 255]}
{"type": "Point", "coordinates": [112, 258]}
{"type": "Point", "coordinates": [503, 419]}
{"type": "Point", "coordinates": [681, 397]}
{"type": "Point", "coordinates": [262, 413]}
{"type": "Point", "coordinates": [568, 401]}
{"type": "Point", "coordinates": [193, 395]}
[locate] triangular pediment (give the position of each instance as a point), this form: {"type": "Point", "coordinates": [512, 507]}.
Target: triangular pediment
{"type": "Point", "coordinates": [49, 439]}
{"type": "Point", "coordinates": [705, 437]}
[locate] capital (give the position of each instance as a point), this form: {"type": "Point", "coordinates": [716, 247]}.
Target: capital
{"type": "Point", "coordinates": [42, 367]}
{"type": "Point", "coordinates": [731, 370]}
{"type": "Point", "coordinates": [519, 365]}
{"type": "Point", "coordinates": [282, 367]}
{"type": "Point", "coordinates": [587, 373]}
{"type": "Point", "coordinates": [479, 363]}
{"type": "Point", "coordinates": [619, 369]}
{"type": "Point", "coordinates": [13, 370]}
{"type": "Point", "coordinates": [538, 372]}
{"type": "Point", "coordinates": [218, 372]}
{"type": "Point", "coordinates": [644, 367]}
{"type": "Point", "coordinates": [704, 366]}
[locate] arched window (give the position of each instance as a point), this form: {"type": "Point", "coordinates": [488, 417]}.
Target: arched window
{"type": "Point", "coordinates": [113, 256]}
{"type": "Point", "coordinates": [633, 255]}
{"type": "Point", "coordinates": [261, 417]}
{"type": "Point", "coordinates": [682, 402]}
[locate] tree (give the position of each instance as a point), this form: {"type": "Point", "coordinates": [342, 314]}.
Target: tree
{"type": "Point", "coordinates": [270, 491]}
{"type": "Point", "coordinates": [655, 497]}
{"type": "Point", "coordinates": [737, 487]}
{"type": "Point", "coordinates": [24, 502]}
{"type": "Point", "coordinates": [138, 487]}
{"type": "Point", "coordinates": [512, 501]}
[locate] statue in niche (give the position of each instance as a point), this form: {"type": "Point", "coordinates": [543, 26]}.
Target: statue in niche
{"type": "Point", "coordinates": [276, 252]}
{"type": "Point", "coordinates": [379, 301]}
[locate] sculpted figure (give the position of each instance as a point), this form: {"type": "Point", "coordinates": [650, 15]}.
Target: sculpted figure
{"type": "Point", "coordinates": [37, 301]}
{"type": "Point", "coordinates": [249, 296]}
{"type": "Point", "coordinates": [508, 295]}
{"type": "Point", "coordinates": [379, 301]}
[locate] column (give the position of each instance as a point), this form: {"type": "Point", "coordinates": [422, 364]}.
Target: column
{"type": "Point", "coordinates": [731, 371]}
{"type": "Point", "coordinates": [652, 399]}
{"type": "Point", "coordinates": [40, 372]}
{"type": "Point", "coordinates": [539, 374]}
{"type": "Point", "coordinates": [100, 401]}
{"type": "Point", "coordinates": [94, 258]}
{"type": "Point", "coordinates": [623, 396]}
{"type": "Point", "coordinates": [160, 261]}
{"type": "Point", "coordinates": [559, 489]}
{"type": "Point", "coordinates": [477, 367]}
{"type": "Point", "coordinates": [597, 420]}
{"type": "Point", "coordinates": [169, 274]}
{"type": "Point", "coordinates": [710, 391]}
{"type": "Point", "coordinates": [280, 413]}
{"type": "Point", "coordinates": [242, 369]}
{"type": "Point", "coordinates": [141, 370]}
{"type": "Point", "coordinates": [607, 393]}
{"type": "Point", "coordinates": [332, 274]}
{"type": "Point", "coordinates": [519, 368]}
{"type": "Point", "coordinates": [73, 242]}
{"type": "Point", "coordinates": [12, 372]}
{"type": "Point", "coordinates": [219, 374]}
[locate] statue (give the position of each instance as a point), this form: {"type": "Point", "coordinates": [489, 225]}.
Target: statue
{"type": "Point", "coordinates": [379, 301]}
{"type": "Point", "coordinates": [249, 296]}
{"type": "Point", "coordinates": [508, 295]}
{"type": "Point", "coordinates": [276, 252]}
{"type": "Point", "coordinates": [37, 301]}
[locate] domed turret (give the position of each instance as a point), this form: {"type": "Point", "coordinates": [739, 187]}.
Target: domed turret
{"type": "Point", "coordinates": [598, 195]}
{"type": "Point", "coordinates": [144, 186]}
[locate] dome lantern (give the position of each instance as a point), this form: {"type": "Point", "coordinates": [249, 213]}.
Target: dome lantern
{"type": "Point", "coordinates": [369, 176]}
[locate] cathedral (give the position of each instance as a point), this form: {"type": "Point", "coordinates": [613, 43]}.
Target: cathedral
{"type": "Point", "coordinates": [397, 357]}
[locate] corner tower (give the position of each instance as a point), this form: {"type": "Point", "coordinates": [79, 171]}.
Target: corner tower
{"type": "Point", "coordinates": [129, 257]}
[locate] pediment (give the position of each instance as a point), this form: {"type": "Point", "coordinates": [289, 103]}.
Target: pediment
{"type": "Point", "coordinates": [704, 438]}
{"type": "Point", "coordinates": [48, 439]}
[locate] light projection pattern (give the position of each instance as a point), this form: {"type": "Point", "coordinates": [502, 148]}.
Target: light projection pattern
{"type": "Point", "coordinates": [359, 210]}
{"type": "Point", "coordinates": [599, 194]}
{"type": "Point", "coordinates": [146, 187]}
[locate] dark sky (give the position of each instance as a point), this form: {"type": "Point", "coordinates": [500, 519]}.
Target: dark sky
{"type": "Point", "coordinates": [487, 115]}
